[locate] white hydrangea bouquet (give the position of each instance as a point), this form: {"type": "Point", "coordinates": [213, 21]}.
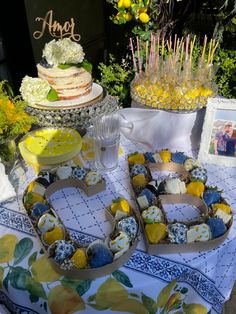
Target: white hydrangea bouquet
{"type": "Point", "coordinates": [64, 53]}
{"type": "Point", "coordinates": [35, 90]}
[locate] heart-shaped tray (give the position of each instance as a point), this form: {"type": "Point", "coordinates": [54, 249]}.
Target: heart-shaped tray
{"type": "Point", "coordinates": [39, 192]}
{"type": "Point", "coordinates": [153, 190]}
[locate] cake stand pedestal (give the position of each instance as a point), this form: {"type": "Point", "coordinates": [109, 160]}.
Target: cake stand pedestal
{"type": "Point", "coordinates": [75, 116]}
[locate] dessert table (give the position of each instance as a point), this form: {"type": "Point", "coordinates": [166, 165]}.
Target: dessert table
{"type": "Point", "coordinates": [198, 282]}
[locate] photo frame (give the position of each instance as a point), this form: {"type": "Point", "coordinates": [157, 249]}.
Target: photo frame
{"type": "Point", "coordinates": [218, 139]}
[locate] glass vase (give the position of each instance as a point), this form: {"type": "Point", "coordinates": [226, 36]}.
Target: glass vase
{"type": "Point", "coordinates": [8, 154]}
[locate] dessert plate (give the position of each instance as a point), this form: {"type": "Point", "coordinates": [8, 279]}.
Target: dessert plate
{"type": "Point", "coordinates": [49, 146]}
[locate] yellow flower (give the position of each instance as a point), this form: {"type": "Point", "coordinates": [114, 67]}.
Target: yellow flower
{"type": "Point", "coordinates": [13, 118]}
{"type": "Point", "coordinates": [10, 105]}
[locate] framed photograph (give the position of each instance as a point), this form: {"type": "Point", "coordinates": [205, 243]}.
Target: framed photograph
{"type": "Point", "coordinates": [218, 140]}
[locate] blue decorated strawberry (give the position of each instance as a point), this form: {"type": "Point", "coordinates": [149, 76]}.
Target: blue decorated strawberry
{"type": "Point", "coordinates": [178, 157]}
{"type": "Point", "coordinates": [99, 255]}
{"type": "Point", "coordinates": [137, 169]}
{"type": "Point", "coordinates": [217, 226]}
{"type": "Point", "coordinates": [149, 157]}
{"type": "Point", "coordinates": [211, 196]}
{"type": "Point", "coordinates": [199, 174]}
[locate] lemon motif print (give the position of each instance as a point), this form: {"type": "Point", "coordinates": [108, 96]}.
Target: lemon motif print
{"type": "Point", "coordinates": [42, 270]}
{"type": "Point", "coordinates": [63, 300]}
{"type": "Point", "coordinates": [7, 247]}
{"type": "Point", "coordinates": [194, 309]}
{"type": "Point", "coordinates": [111, 292]}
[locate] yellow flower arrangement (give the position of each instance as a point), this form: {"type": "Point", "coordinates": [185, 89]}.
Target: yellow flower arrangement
{"type": "Point", "coordinates": [13, 120]}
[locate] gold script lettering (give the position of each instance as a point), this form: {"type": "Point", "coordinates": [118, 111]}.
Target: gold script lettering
{"type": "Point", "coordinates": [55, 29]}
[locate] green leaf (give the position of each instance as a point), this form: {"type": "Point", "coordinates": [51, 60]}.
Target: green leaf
{"type": "Point", "coordinates": [52, 95]}
{"type": "Point", "coordinates": [45, 305]}
{"type": "Point", "coordinates": [92, 297]}
{"type": "Point", "coordinates": [149, 303]}
{"type": "Point", "coordinates": [122, 278]}
{"type": "Point", "coordinates": [23, 247]}
{"type": "Point", "coordinates": [65, 66]}
{"type": "Point", "coordinates": [70, 283]}
{"type": "Point", "coordinates": [86, 65]}
{"type": "Point", "coordinates": [32, 258]}
{"type": "Point", "coordinates": [134, 295]}
{"type": "Point", "coordinates": [80, 286]}
{"type": "Point", "coordinates": [6, 281]}
{"type": "Point", "coordinates": [83, 287]}
{"type": "Point", "coordinates": [35, 288]}
{"type": "Point", "coordinates": [98, 307]}
{"type": "Point", "coordinates": [1, 276]}
{"type": "Point", "coordinates": [33, 298]}
{"type": "Point", "coordinates": [184, 290]}
{"type": "Point", "coordinates": [18, 278]}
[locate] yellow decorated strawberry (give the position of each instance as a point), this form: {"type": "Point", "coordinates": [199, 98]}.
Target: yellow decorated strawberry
{"type": "Point", "coordinates": [31, 198]}
{"type": "Point", "coordinates": [120, 204]}
{"type": "Point", "coordinates": [224, 207]}
{"type": "Point", "coordinates": [156, 232]}
{"type": "Point", "coordinates": [136, 158]}
{"type": "Point", "coordinates": [139, 180]}
{"type": "Point", "coordinates": [165, 155]}
{"type": "Point", "coordinates": [196, 188]}
{"type": "Point", "coordinates": [53, 235]}
{"type": "Point", "coordinates": [79, 259]}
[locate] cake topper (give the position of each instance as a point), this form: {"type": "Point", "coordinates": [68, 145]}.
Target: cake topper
{"type": "Point", "coordinates": [55, 29]}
